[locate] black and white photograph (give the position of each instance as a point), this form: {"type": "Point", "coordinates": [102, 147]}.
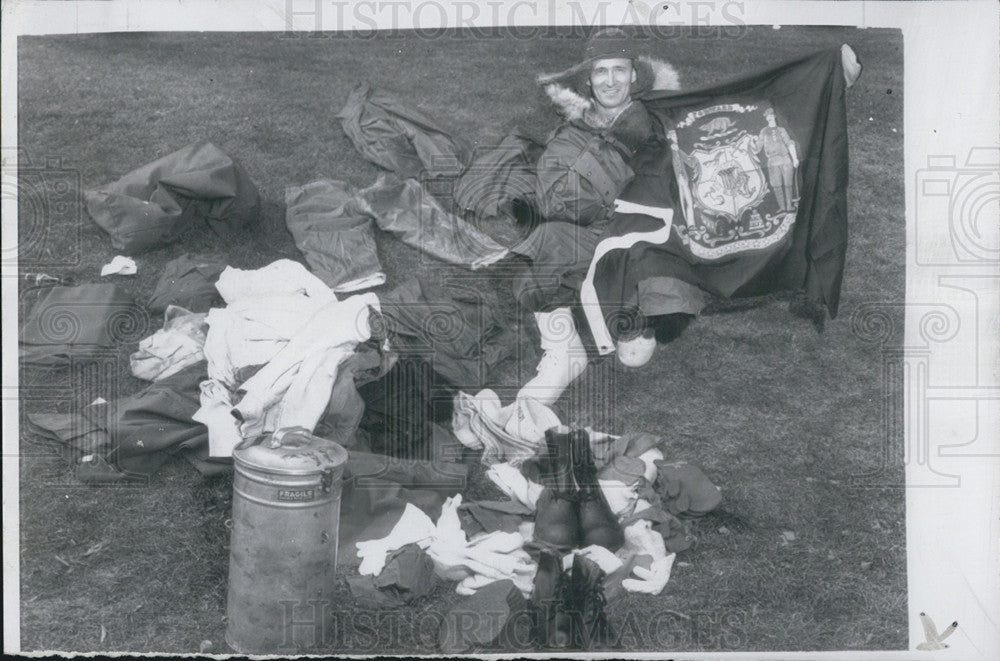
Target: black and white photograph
{"type": "Point", "coordinates": [527, 328]}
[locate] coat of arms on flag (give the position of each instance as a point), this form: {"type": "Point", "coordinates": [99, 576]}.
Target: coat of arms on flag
{"type": "Point", "coordinates": [736, 173]}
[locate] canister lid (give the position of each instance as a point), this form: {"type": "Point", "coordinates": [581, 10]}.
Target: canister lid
{"type": "Point", "coordinates": [293, 450]}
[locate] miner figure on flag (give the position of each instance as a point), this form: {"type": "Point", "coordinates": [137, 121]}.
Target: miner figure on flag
{"type": "Point", "coordinates": [782, 160]}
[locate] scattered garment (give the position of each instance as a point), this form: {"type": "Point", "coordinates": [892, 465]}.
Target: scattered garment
{"type": "Point", "coordinates": [80, 433]}
{"type": "Point", "coordinates": [642, 541]}
{"type": "Point", "coordinates": [346, 408]}
{"type": "Point", "coordinates": [486, 516]}
{"type": "Point", "coordinates": [408, 210]}
{"type": "Point", "coordinates": [377, 490]}
{"type": "Point", "coordinates": [80, 324]}
{"type": "Point", "coordinates": [602, 557]}
{"type": "Point", "coordinates": [512, 482]}
{"type": "Point", "coordinates": [283, 277]}
{"type": "Point", "coordinates": [676, 535]}
{"type": "Point", "coordinates": [481, 560]}
{"type": "Point", "coordinates": [498, 175]}
{"type": "Point", "coordinates": [652, 580]}
{"type": "Point", "coordinates": [119, 265]}
{"type": "Point", "coordinates": [413, 527]}
{"type": "Point", "coordinates": [404, 410]}
{"type": "Point", "coordinates": [189, 282]}
{"type": "Point", "coordinates": [622, 498]}
{"type": "Point", "coordinates": [178, 344]}
{"type": "Point", "coordinates": [215, 413]}
{"type": "Point", "coordinates": [155, 204]}
{"type": "Point", "coordinates": [618, 457]}
{"type": "Point", "coordinates": [133, 437]}
{"type": "Point", "coordinates": [293, 388]}
{"type": "Point", "coordinates": [408, 575]}
{"type": "Point", "coordinates": [685, 489]}
{"type": "Point", "coordinates": [558, 255]}
{"type": "Point", "coordinates": [155, 424]}
{"type": "Point", "coordinates": [333, 232]}
{"type": "Point", "coordinates": [398, 137]}
{"type": "Point", "coordinates": [499, 615]}
{"type": "Point", "coordinates": [511, 433]}
{"type": "Point", "coordinates": [452, 324]}
{"type": "Point", "coordinates": [264, 309]}
{"type": "Point", "coordinates": [769, 216]}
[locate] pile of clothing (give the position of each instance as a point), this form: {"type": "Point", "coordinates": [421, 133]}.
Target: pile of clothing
{"type": "Point", "coordinates": [246, 352]}
{"type": "Point", "coordinates": [589, 517]}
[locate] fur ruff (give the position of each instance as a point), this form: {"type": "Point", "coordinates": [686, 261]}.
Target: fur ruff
{"type": "Point", "coordinates": [569, 93]}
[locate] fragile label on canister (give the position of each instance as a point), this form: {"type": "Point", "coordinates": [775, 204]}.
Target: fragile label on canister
{"type": "Point", "coordinates": [296, 494]}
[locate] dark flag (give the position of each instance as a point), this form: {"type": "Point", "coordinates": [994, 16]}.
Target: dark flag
{"type": "Point", "coordinates": [747, 195]}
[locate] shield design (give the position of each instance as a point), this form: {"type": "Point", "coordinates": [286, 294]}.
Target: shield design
{"type": "Point", "coordinates": [730, 179]}
{"type": "Point", "coordinates": [727, 189]}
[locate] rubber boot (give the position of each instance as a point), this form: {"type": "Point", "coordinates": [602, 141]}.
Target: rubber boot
{"type": "Point", "coordinates": [598, 524]}
{"type": "Point", "coordinates": [557, 516]}
{"type": "Point", "coordinates": [551, 625]}
{"type": "Point", "coordinates": [565, 357]}
{"type": "Point", "coordinates": [590, 627]}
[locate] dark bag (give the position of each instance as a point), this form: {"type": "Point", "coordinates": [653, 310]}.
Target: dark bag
{"type": "Point", "coordinates": [153, 205]}
{"type": "Point", "coordinates": [580, 175]}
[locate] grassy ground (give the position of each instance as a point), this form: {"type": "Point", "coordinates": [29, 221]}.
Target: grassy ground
{"type": "Point", "coordinates": [804, 553]}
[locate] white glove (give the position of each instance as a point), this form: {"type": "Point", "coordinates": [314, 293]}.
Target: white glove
{"type": "Point", "coordinates": [413, 527]}
{"type": "Point", "coordinates": [641, 539]}
{"type": "Point", "coordinates": [523, 579]}
{"type": "Point", "coordinates": [654, 579]}
{"type": "Point", "coordinates": [852, 68]}
{"type": "Point", "coordinates": [621, 497]}
{"type": "Point", "coordinates": [496, 555]}
{"type": "Point", "coordinates": [605, 559]}
{"type": "Point", "coordinates": [513, 483]}
{"type": "Point", "coordinates": [649, 457]}
{"type": "Point", "coordinates": [120, 265]}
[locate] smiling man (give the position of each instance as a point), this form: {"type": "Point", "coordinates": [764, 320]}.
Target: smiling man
{"type": "Point", "coordinates": [610, 83]}
{"type": "Point", "coordinates": [585, 166]}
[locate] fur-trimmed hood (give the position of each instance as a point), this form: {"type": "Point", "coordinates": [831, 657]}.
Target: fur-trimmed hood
{"type": "Point", "coordinates": [571, 96]}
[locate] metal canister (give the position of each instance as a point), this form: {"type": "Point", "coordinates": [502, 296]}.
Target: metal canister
{"type": "Point", "coordinates": [283, 549]}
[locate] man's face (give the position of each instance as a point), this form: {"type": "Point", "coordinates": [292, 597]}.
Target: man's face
{"type": "Point", "coordinates": [611, 81]}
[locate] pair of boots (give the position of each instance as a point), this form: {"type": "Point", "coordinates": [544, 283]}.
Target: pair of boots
{"type": "Point", "coordinates": [565, 357]}
{"type": "Point", "coordinates": [568, 611]}
{"type": "Point", "coordinates": [572, 511]}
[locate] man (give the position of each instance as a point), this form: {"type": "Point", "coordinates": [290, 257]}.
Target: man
{"type": "Point", "coordinates": [782, 160]}
{"type": "Point", "coordinates": [582, 171]}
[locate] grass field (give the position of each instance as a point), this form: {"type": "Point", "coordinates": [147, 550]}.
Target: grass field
{"type": "Point", "coordinates": [794, 425]}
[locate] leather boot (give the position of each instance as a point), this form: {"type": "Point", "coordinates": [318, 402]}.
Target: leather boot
{"type": "Point", "coordinates": [590, 626]}
{"type": "Point", "coordinates": [551, 625]}
{"type": "Point", "coordinates": [598, 524]}
{"type": "Point", "coordinates": [557, 519]}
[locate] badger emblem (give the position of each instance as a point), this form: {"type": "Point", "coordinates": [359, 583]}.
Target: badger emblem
{"type": "Point", "coordinates": [717, 126]}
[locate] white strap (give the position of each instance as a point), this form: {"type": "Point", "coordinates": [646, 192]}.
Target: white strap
{"type": "Point", "coordinates": [588, 295]}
